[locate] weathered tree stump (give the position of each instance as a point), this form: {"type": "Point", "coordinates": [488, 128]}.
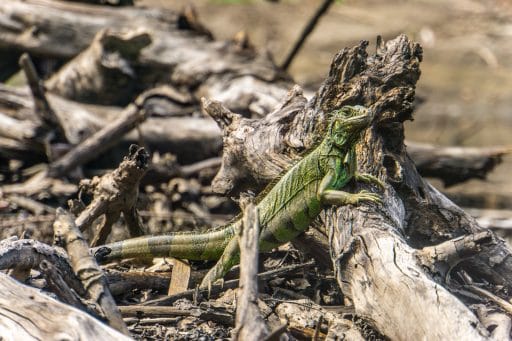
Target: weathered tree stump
{"type": "Point", "coordinates": [378, 251]}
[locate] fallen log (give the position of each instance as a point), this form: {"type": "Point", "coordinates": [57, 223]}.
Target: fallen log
{"type": "Point", "coordinates": [191, 139]}
{"type": "Point", "coordinates": [374, 247]}
{"type": "Point", "coordinates": [40, 26]}
{"type": "Point", "coordinates": [230, 71]}
{"type": "Point", "coordinates": [106, 2]}
{"type": "Point", "coordinates": [38, 317]}
{"type": "Point", "coordinates": [104, 72]}
{"type": "Point", "coordinates": [492, 218]}
{"type": "Point", "coordinates": [455, 164]}
{"type": "Point", "coordinates": [482, 199]}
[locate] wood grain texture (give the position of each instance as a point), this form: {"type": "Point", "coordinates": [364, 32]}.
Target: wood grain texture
{"type": "Point", "coordinates": [249, 323]}
{"type": "Point", "coordinates": [27, 314]}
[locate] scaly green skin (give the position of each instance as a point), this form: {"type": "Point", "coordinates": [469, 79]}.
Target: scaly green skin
{"type": "Point", "coordinates": [285, 211]}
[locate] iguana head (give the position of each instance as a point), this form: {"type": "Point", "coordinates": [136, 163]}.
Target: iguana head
{"type": "Point", "coordinates": [347, 123]}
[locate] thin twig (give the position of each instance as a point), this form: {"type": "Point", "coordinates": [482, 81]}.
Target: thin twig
{"type": "Point", "coordinates": [229, 284]}
{"type": "Point", "coordinates": [41, 104]}
{"type": "Point", "coordinates": [29, 204]}
{"type": "Point", "coordinates": [306, 32]}
{"type": "Point", "coordinates": [189, 170]}
{"type": "Point", "coordinates": [215, 314]}
{"type": "Point", "coordinates": [275, 335]}
{"type": "Point", "coordinates": [487, 294]}
{"type": "Point", "coordinates": [317, 329]}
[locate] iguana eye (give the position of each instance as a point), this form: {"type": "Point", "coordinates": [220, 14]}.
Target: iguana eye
{"type": "Point", "coordinates": [338, 136]}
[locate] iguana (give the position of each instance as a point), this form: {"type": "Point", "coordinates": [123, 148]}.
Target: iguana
{"type": "Point", "coordinates": [286, 208]}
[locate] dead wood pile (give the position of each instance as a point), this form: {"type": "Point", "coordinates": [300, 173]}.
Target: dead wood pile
{"type": "Point", "coordinates": [417, 266]}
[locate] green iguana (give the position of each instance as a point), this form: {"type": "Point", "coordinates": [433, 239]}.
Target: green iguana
{"type": "Point", "coordinates": [285, 209]}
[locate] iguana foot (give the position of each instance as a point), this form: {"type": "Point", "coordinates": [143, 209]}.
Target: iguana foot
{"type": "Point", "coordinates": [208, 281]}
{"type": "Point", "coordinates": [364, 195]}
{"type": "Point", "coordinates": [369, 179]}
{"type": "Point", "coordinates": [229, 258]}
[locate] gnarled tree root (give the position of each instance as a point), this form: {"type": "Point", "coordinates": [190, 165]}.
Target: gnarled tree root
{"type": "Point", "coordinates": [374, 247]}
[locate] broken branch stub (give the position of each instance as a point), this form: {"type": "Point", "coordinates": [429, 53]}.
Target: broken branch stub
{"type": "Point", "coordinates": [105, 72]}
{"type": "Point", "coordinates": [249, 323]}
{"type": "Point", "coordinates": [115, 193]}
{"type": "Point", "coordinates": [240, 169]}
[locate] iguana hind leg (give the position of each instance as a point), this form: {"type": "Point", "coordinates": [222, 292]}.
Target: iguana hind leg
{"type": "Point", "coordinates": [229, 258]}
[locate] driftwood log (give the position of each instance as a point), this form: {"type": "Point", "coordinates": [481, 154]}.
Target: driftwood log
{"type": "Point", "coordinates": [378, 251]}
{"type": "Point", "coordinates": [230, 71]}
{"type": "Point", "coordinates": [36, 316]}
{"type": "Point", "coordinates": [189, 138]}
{"type": "Point", "coordinates": [85, 266]}
{"type": "Point", "coordinates": [455, 164]}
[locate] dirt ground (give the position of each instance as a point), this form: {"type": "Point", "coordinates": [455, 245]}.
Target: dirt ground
{"type": "Point", "coordinates": [465, 89]}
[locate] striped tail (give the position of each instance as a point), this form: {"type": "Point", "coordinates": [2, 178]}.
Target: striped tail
{"type": "Point", "coordinates": [203, 246]}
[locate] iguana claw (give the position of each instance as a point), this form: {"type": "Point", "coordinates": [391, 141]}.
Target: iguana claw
{"type": "Point", "coordinates": [365, 195]}
{"type": "Point", "coordinates": [369, 179]}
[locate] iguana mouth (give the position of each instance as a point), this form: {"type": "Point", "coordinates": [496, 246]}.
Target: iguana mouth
{"type": "Point", "coordinates": [359, 121]}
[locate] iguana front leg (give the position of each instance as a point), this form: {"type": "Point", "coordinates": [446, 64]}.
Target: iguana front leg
{"type": "Point", "coordinates": [339, 198]}
{"type": "Point", "coordinates": [336, 197]}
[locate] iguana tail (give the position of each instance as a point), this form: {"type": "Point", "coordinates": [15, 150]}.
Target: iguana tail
{"type": "Point", "coordinates": [203, 246]}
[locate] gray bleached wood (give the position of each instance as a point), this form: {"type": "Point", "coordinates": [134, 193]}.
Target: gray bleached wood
{"type": "Point", "coordinates": [181, 54]}
{"type": "Point", "coordinates": [27, 314]}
